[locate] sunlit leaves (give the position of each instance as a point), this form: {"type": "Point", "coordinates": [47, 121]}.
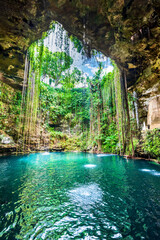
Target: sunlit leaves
{"type": "Point", "coordinates": [54, 64]}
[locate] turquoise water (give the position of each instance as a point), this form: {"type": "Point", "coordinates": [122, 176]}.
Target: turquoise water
{"type": "Point", "coordinates": [78, 196]}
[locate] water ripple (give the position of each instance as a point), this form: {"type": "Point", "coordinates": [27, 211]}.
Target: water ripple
{"type": "Point", "coordinates": [86, 196]}
{"type": "Point", "coordinates": [60, 199]}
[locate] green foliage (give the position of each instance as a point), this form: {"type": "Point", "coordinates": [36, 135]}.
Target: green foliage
{"type": "Point", "coordinates": [51, 101]}
{"type": "Point", "coordinates": [57, 134]}
{"type": "Point", "coordinates": [108, 93]}
{"type": "Point", "coordinates": [152, 143]}
{"type": "Point", "coordinates": [68, 80]}
{"type": "Point", "coordinates": [77, 43]}
{"type": "Point", "coordinates": [62, 103]}
{"type": "Point", "coordinates": [135, 144]}
{"type": "Point", "coordinates": [10, 105]}
{"type": "Point", "coordinates": [54, 64]}
{"type": "Point", "coordinates": [110, 138]}
{"type": "Point", "coordinates": [80, 103]}
{"type": "Point", "coordinates": [103, 111]}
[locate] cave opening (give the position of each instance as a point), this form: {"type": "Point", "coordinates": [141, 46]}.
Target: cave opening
{"type": "Point", "coordinates": [74, 98]}
{"type": "Point", "coordinates": [62, 66]}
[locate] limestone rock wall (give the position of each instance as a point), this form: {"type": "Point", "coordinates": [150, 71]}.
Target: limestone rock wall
{"type": "Point", "coordinates": [153, 118]}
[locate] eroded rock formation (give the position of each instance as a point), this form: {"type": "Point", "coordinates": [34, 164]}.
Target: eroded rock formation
{"type": "Point", "coordinates": [153, 118]}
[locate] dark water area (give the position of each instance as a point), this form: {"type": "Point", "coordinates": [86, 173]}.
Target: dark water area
{"type": "Point", "coordinates": [78, 196]}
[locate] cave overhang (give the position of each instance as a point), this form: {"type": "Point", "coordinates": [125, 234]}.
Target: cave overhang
{"type": "Point", "coordinates": [126, 31]}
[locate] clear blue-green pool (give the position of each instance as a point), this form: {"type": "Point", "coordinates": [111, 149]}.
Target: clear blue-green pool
{"type": "Point", "coordinates": [78, 196]}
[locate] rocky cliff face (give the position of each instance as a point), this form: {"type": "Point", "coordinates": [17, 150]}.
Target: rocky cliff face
{"type": "Point", "coordinates": [153, 118]}
{"type": "Point", "coordinates": [128, 31]}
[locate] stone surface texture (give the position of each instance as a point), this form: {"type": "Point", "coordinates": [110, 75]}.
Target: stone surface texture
{"type": "Point", "coordinates": [153, 118]}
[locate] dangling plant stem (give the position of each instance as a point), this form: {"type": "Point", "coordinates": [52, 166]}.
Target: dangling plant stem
{"type": "Point", "coordinates": [128, 115]}
{"type": "Point", "coordinates": [30, 94]}
{"type": "Point", "coordinates": [119, 107]}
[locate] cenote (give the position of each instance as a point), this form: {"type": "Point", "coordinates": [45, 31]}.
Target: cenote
{"type": "Point", "coordinates": [78, 196]}
{"type": "Point", "coordinates": [79, 103]}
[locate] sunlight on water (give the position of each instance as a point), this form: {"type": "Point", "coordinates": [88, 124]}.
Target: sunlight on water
{"type": "Point", "coordinates": [46, 153]}
{"type": "Point", "coordinates": [85, 196]}
{"type": "Point", "coordinates": [153, 172]}
{"type": "Point", "coordinates": [90, 166]}
{"type": "Point", "coordinates": [145, 170]}
{"type": "Point", "coordinates": [117, 236]}
{"type": "Point", "coordinates": [105, 155]}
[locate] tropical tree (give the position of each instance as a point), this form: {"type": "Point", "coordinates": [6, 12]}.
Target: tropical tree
{"type": "Point", "coordinates": [54, 64]}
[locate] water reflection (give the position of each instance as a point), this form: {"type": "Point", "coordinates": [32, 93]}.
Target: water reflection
{"type": "Point", "coordinates": [89, 165]}
{"type": "Point", "coordinates": [105, 155]}
{"type": "Point", "coordinates": [153, 172]}
{"type": "Point", "coordinates": [46, 153]}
